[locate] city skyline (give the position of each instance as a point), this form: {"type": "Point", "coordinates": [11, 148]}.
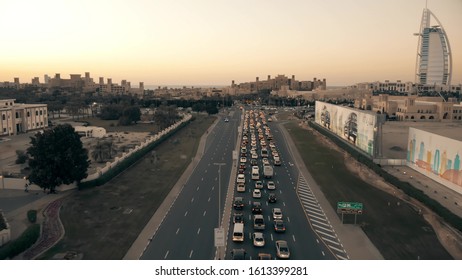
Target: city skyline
{"type": "Point", "coordinates": [214, 42]}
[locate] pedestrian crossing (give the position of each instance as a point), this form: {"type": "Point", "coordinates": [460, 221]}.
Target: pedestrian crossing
{"type": "Point", "coordinates": [318, 220]}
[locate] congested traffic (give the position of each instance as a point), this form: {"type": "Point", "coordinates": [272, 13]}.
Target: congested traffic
{"type": "Point", "coordinates": [256, 193]}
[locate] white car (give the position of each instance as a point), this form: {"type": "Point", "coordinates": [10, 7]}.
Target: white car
{"type": "Point", "coordinates": [259, 185]}
{"type": "Point", "coordinates": [240, 178]}
{"type": "Point", "coordinates": [270, 185]}
{"type": "Point", "coordinates": [277, 214]}
{"type": "Point", "coordinates": [258, 239]}
{"type": "Point", "coordinates": [243, 160]}
{"type": "Point", "coordinates": [256, 193]}
{"type": "Point", "coordinates": [265, 161]}
{"type": "Point", "coordinates": [254, 155]}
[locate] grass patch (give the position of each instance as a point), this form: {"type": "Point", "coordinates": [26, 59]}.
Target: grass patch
{"type": "Point", "coordinates": [22, 243]}
{"type": "Point", "coordinates": [395, 228]}
{"type": "Point", "coordinates": [103, 222]}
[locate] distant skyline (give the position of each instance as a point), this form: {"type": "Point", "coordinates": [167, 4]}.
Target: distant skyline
{"type": "Point", "coordinates": [211, 42]}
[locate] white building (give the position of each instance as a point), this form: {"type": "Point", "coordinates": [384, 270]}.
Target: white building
{"type": "Point", "coordinates": [18, 118]}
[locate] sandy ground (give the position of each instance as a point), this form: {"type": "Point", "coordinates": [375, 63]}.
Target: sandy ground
{"type": "Point", "coordinates": [450, 238]}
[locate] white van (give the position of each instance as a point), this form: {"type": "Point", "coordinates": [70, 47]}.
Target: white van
{"type": "Point", "coordinates": [238, 232]}
{"type": "Point", "coordinates": [277, 161]}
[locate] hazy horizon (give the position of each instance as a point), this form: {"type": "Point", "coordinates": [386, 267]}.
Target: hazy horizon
{"type": "Point", "coordinates": [211, 42]}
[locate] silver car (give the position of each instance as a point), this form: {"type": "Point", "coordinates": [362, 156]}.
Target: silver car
{"type": "Point", "coordinates": [282, 249]}
{"type": "Point", "coordinates": [258, 239]}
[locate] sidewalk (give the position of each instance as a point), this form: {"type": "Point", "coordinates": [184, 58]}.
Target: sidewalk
{"type": "Point", "coordinates": [47, 214]}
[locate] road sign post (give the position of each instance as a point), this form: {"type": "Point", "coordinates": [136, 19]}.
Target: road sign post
{"type": "Point", "coordinates": [349, 208]}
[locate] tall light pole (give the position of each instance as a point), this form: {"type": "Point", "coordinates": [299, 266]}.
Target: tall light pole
{"type": "Point", "coordinates": [219, 233]}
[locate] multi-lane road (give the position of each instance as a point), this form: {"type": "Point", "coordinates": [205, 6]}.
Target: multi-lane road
{"type": "Point", "coordinates": [187, 230]}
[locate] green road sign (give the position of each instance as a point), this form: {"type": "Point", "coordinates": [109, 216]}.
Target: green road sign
{"type": "Point", "coordinates": [350, 207]}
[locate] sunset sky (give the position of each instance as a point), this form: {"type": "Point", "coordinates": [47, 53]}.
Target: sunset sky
{"type": "Point", "coordinates": [211, 42]}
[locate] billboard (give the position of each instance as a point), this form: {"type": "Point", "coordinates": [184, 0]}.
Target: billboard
{"type": "Point", "coordinates": [355, 126]}
{"type": "Point", "coordinates": [435, 156]}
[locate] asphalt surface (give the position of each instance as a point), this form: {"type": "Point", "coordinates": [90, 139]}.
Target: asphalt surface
{"type": "Point", "coordinates": [187, 230]}
{"type": "Point", "coordinates": [303, 242]}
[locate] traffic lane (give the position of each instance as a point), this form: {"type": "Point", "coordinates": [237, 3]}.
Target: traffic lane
{"type": "Point", "coordinates": [195, 209]}
{"type": "Point", "coordinates": [178, 248]}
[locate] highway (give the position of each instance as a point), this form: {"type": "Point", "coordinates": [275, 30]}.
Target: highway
{"type": "Point", "coordinates": [302, 240]}
{"type": "Point", "coordinates": [187, 230]}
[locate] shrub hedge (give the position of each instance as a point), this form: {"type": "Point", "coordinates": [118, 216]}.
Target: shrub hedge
{"type": "Point", "coordinates": [22, 243]}
{"type": "Point", "coordinates": [451, 218]}
{"type": "Point", "coordinates": [32, 216]}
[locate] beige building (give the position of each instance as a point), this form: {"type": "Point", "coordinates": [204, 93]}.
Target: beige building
{"type": "Point", "coordinates": [19, 118]}
{"type": "Point", "coordinates": [412, 107]}
{"type": "Point", "coordinates": [276, 84]}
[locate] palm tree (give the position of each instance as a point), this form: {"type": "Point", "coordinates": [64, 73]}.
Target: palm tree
{"type": "Point", "coordinates": [102, 151]}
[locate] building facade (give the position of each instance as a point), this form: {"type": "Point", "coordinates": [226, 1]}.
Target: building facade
{"type": "Point", "coordinates": [412, 107]}
{"type": "Point", "coordinates": [19, 118]}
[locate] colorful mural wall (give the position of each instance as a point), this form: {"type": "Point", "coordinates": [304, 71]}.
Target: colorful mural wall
{"type": "Point", "coordinates": [355, 126]}
{"type": "Point", "coordinates": [436, 156]}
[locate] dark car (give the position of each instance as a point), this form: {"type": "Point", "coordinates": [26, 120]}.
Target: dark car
{"type": "Point", "coordinates": [279, 226]}
{"type": "Point", "coordinates": [272, 198]}
{"type": "Point", "coordinates": [238, 203]}
{"type": "Point", "coordinates": [253, 162]}
{"type": "Point", "coordinates": [241, 171]}
{"type": "Point", "coordinates": [238, 218]}
{"type": "Point", "coordinates": [256, 208]}
{"type": "Point", "coordinates": [238, 254]}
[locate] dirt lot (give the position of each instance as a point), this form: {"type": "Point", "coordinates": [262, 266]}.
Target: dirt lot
{"type": "Point", "coordinates": [103, 222]}
{"type": "Point", "coordinates": [400, 230]}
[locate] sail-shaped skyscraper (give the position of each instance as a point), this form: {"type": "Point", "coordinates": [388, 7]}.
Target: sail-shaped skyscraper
{"type": "Point", "coordinates": [434, 59]}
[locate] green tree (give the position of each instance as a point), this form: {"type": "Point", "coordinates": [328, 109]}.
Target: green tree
{"type": "Point", "coordinates": [57, 157]}
{"type": "Point", "coordinates": [130, 115]}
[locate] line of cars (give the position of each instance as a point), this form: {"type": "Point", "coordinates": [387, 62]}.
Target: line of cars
{"type": "Point", "coordinates": [254, 183]}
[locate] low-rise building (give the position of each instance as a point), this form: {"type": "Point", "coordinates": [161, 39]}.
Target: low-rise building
{"type": "Point", "coordinates": [19, 118]}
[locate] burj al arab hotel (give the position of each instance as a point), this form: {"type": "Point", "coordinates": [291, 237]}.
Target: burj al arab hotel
{"type": "Point", "coordinates": [434, 58]}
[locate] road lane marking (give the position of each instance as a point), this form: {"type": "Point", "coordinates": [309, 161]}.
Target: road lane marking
{"type": "Point", "coordinates": [209, 199]}
{"type": "Point", "coordinates": [322, 252]}
{"type": "Point", "coordinates": [166, 254]}
{"type": "Point", "coordinates": [293, 237]}
{"type": "Point", "coordinates": [324, 228]}
{"type": "Point", "coordinates": [190, 254]}
{"type": "Point", "coordinates": [336, 249]}
{"type": "Point", "coordinates": [271, 236]}
{"type": "Point", "coordinates": [213, 188]}
{"type": "Point", "coordinates": [283, 203]}
{"type": "Point", "coordinates": [288, 219]}
{"type": "Point", "coordinates": [204, 213]}
{"type": "Point", "coordinates": [198, 231]}
{"type": "Point", "coordinates": [197, 189]}
{"type": "Point", "coordinates": [317, 240]}
{"type": "Point", "coordinates": [178, 230]}
{"type": "Point", "coordinates": [185, 214]}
